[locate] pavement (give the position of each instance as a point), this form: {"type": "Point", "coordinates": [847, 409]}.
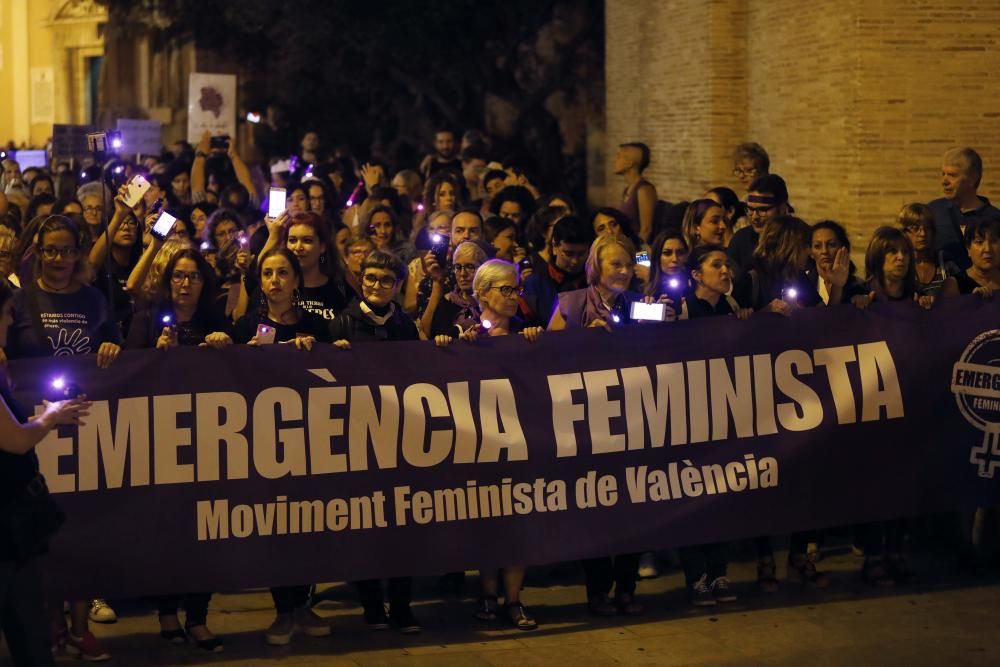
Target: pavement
{"type": "Point", "coordinates": [943, 618]}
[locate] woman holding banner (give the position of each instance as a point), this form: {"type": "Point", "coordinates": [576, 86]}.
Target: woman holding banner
{"type": "Point", "coordinates": [606, 303]}
{"type": "Point", "coordinates": [496, 286]}
{"type": "Point", "coordinates": [187, 317]}
{"type": "Point", "coordinates": [377, 318]}
{"type": "Point", "coordinates": [712, 280]}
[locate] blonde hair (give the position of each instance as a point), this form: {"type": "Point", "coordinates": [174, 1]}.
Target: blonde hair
{"type": "Point", "coordinates": [781, 241]}
{"type": "Point", "coordinates": [593, 265]}
{"type": "Point", "coordinates": [489, 273]}
{"type": "Point", "coordinates": [470, 246]}
{"type": "Point", "coordinates": [152, 287]}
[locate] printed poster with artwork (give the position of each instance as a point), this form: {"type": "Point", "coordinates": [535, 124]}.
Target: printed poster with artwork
{"type": "Point", "coordinates": [211, 105]}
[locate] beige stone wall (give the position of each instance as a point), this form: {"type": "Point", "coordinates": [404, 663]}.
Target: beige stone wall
{"type": "Point", "coordinates": [855, 101]}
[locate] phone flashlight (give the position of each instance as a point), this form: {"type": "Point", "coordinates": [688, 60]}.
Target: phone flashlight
{"type": "Point", "coordinates": [166, 319]}
{"type": "Point", "coordinates": [243, 240]}
{"type": "Point", "coordinates": [673, 283]}
{"type": "Point", "coordinates": [61, 389]}
{"type": "Point", "coordinates": [205, 246]}
{"type": "Point", "coordinates": [616, 319]}
{"type": "Point", "coordinates": [789, 294]}
{"type": "Point", "coordinates": [486, 324]}
{"type": "Point", "coordinates": [420, 207]}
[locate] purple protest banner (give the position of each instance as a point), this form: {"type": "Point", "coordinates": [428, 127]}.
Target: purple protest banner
{"type": "Point", "coordinates": [218, 470]}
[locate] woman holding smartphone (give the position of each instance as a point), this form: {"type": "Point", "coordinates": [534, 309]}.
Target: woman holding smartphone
{"type": "Point", "coordinates": [78, 321]}
{"type": "Point", "coordinates": [278, 318]}
{"type": "Point", "coordinates": [607, 301]}
{"type": "Point", "coordinates": [22, 615]}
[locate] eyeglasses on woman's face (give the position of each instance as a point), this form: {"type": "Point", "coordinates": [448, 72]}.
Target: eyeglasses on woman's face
{"type": "Point", "coordinates": [508, 291]}
{"type": "Point", "coordinates": [384, 282]}
{"type": "Point", "coordinates": [54, 252]}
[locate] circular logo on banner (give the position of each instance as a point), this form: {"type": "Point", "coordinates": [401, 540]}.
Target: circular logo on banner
{"type": "Point", "coordinates": [975, 381]}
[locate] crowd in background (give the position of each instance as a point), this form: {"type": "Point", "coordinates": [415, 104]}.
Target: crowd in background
{"type": "Point", "coordinates": [463, 245]}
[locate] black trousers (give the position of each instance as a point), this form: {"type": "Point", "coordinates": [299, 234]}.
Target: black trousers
{"type": "Point", "coordinates": [195, 607]}
{"type": "Point", "coordinates": [882, 537]}
{"type": "Point", "coordinates": [620, 571]}
{"type": "Point", "coordinates": [400, 593]}
{"type": "Point", "coordinates": [289, 598]}
{"type": "Point", "coordinates": [704, 559]}
{"type": "Point", "coordinates": [23, 621]}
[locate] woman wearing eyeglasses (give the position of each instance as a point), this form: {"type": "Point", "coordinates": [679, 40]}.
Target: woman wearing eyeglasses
{"type": "Point", "coordinates": [767, 199]}
{"type": "Point", "coordinates": [452, 313]}
{"type": "Point", "coordinates": [77, 321]}
{"type": "Point", "coordinates": [376, 317]}
{"type": "Point", "coordinates": [186, 317]}
{"type": "Point", "coordinates": [496, 286]}
{"type": "Point", "coordinates": [935, 276]}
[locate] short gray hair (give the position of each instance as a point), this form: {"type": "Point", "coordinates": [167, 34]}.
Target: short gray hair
{"type": "Point", "coordinates": [491, 272]}
{"type": "Point", "coordinates": [968, 160]}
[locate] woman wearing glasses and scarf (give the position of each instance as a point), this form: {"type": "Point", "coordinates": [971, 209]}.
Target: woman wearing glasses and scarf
{"type": "Point", "coordinates": [375, 317]}
{"type": "Point", "coordinates": [451, 313]}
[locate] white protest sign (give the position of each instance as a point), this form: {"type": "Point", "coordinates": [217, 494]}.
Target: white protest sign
{"type": "Point", "coordinates": [211, 105]}
{"type": "Point", "coordinates": [140, 136]}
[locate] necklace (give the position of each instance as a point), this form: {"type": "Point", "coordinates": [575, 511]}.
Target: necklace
{"type": "Point", "coordinates": [49, 288]}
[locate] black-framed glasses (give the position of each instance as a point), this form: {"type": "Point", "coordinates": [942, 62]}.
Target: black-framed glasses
{"type": "Point", "coordinates": [507, 291]}
{"type": "Point", "coordinates": [53, 252]}
{"type": "Point", "coordinates": [178, 277]}
{"type": "Point", "coordinates": [758, 211]}
{"type": "Point", "coordinates": [917, 229]}
{"type": "Point", "coordinates": [468, 268]}
{"type": "Point", "coordinates": [371, 280]}
{"type": "Point", "coordinates": [740, 171]}
{"type": "Point", "coordinates": [93, 209]}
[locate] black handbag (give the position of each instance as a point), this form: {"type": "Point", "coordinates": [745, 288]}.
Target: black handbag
{"type": "Point", "coordinates": [30, 520]}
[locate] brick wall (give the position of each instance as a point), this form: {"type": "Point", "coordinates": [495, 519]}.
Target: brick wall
{"type": "Point", "coordinates": [855, 101]}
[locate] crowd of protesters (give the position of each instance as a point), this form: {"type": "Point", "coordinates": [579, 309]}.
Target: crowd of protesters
{"type": "Point", "coordinates": [459, 247]}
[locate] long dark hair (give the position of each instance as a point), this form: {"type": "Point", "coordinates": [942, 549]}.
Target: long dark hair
{"type": "Point", "coordinates": [206, 301]}
{"type": "Point", "coordinates": [655, 274]}
{"type": "Point", "coordinates": [296, 269]}
{"type": "Point", "coordinates": [842, 238]}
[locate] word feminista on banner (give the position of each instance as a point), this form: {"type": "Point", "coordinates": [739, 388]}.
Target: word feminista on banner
{"type": "Point", "coordinates": [283, 432]}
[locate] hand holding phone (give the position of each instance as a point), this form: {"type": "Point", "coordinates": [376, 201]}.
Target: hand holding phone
{"type": "Point", "coordinates": [135, 189]}
{"type": "Point", "coordinates": [276, 202]}
{"type": "Point", "coordinates": [648, 312]}
{"type": "Point", "coordinates": [265, 334]}
{"type": "Point", "coordinates": [163, 226]}
{"type": "Point", "coordinates": [642, 258]}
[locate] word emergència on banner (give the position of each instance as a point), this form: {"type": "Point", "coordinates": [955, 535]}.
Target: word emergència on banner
{"type": "Point", "coordinates": [283, 432]}
{"type": "Point", "coordinates": [220, 520]}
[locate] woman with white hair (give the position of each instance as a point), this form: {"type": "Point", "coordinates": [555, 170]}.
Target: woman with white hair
{"type": "Point", "coordinates": [497, 287]}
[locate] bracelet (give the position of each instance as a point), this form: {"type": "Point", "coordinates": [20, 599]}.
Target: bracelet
{"type": "Point", "coordinates": [200, 154]}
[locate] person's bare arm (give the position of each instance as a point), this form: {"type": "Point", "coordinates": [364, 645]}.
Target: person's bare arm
{"type": "Point", "coordinates": [647, 206]}
{"type": "Point", "coordinates": [138, 275]}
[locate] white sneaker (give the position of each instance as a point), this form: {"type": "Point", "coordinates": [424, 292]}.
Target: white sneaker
{"type": "Point", "coordinates": [100, 612]}
{"type": "Point", "coordinates": [647, 566]}
{"type": "Point", "coordinates": [310, 623]}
